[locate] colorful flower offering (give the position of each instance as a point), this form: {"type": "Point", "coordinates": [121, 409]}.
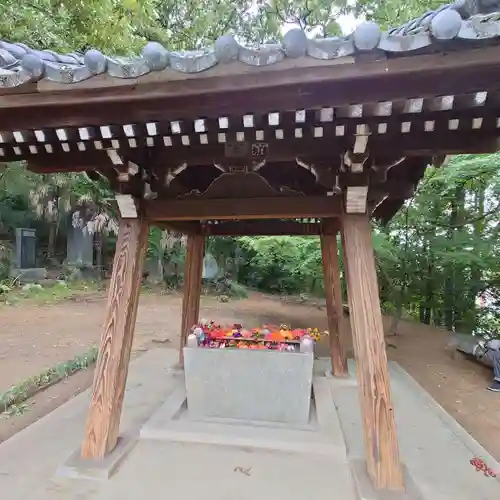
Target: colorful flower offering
{"type": "Point", "coordinates": [281, 338]}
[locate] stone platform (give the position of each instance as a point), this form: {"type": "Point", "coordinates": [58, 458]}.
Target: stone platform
{"type": "Point", "coordinates": [435, 450]}
{"type": "Point", "coordinates": [321, 435]}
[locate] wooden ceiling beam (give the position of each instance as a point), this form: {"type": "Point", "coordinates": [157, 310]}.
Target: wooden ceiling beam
{"type": "Point", "coordinates": [213, 95]}
{"type": "Point", "coordinates": [113, 136]}
{"type": "Point", "coordinates": [46, 163]}
{"type": "Point", "coordinates": [242, 208]}
{"type": "Point", "coordinates": [326, 149]}
{"type": "Point", "coordinates": [329, 148]}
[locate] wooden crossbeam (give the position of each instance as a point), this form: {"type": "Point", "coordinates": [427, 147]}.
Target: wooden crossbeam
{"type": "Point", "coordinates": [262, 228]}
{"type": "Point", "coordinates": [251, 227]}
{"type": "Point", "coordinates": [242, 208]}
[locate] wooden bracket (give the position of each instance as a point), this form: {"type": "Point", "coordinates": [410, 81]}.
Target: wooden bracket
{"type": "Point", "coordinates": [127, 206]}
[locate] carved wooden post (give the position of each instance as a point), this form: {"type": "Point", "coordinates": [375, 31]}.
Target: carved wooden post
{"type": "Point", "coordinates": [333, 295]}
{"type": "Point", "coordinates": [193, 269]}
{"type": "Point", "coordinates": [381, 444]}
{"type": "Point", "coordinates": [103, 421]}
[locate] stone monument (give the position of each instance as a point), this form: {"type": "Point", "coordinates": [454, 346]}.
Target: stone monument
{"type": "Point", "coordinates": [25, 262]}
{"type": "Point", "coordinates": [80, 247]}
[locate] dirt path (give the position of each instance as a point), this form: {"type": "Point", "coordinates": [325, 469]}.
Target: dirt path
{"type": "Point", "coordinates": [36, 337]}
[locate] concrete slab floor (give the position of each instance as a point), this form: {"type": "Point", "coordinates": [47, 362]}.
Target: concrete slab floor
{"type": "Point", "coordinates": [435, 454]}
{"type": "Point", "coordinates": [203, 472]}
{"type": "Point", "coordinates": [434, 448]}
{"type": "Point", "coordinates": [32, 456]}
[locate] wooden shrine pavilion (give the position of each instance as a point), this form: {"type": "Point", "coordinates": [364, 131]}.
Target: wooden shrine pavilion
{"type": "Point", "coordinates": [306, 137]}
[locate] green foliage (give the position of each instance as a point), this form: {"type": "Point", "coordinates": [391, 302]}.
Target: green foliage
{"type": "Point", "coordinates": [390, 14]}
{"type": "Point", "coordinates": [282, 264]}
{"type": "Point", "coordinates": [11, 293]}
{"type": "Point", "coordinates": [110, 25]}
{"type": "Point", "coordinates": [434, 258]}
{"type": "Point", "coordinates": [6, 252]}
{"type": "Point", "coordinates": [11, 401]}
{"type": "Point", "coordinates": [448, 242]}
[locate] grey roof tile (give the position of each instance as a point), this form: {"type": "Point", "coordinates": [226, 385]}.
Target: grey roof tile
{"type": "Point", "coordinates": [457, 25]}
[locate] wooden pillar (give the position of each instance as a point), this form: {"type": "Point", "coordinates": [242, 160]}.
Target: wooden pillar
{"type": "Point", "coordinates": [381, 444]}
{"type": "Point", "coordinates": [333, 295]}
{"type": "Point", "coordinates": [193, 269]}
{"type": "Point", "coordinates": [103, 420]}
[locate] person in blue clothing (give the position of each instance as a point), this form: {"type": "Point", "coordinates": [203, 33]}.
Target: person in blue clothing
{"type": "Point", "coordinates": [491, 351]}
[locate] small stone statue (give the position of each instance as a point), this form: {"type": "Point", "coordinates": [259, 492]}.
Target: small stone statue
{"type": "Point", "coordinates": [192, 341]}
{"type": "Point", "coordinates": [199, 334]}
{"type": "Point", "coordinates": [306, 344]}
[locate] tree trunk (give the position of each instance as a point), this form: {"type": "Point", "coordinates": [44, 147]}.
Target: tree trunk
{"type": "Point", "coordinates": [99, 243]}
{"type": "Point", "coordinates": [450, 287]}
{"type": "Point", "coordinates": [428, 292]}
{"type": "Point", "coordinates": [476, 278]}
{"type": "Point", "coordinates": [51, 247]}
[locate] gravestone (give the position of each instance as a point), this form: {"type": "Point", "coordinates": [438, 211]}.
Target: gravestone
{"type": "Point", "coordinates": [210, 267]}
{"type": "Point", "coordinates": [80, 247]}
{"type": "Point", "coordinates": [25, 248]}
{"type": "Point", "coordinates": [25, 262]}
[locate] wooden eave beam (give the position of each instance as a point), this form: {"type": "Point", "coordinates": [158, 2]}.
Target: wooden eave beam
{"type": "Point", "coordinates": [81, 161]}
{"type": "Point", "coordinates": [222, 92]}
{"type": "Point", "coordinates": [485, 140]}
{"type": "Point", "coordinates": [242, 208]}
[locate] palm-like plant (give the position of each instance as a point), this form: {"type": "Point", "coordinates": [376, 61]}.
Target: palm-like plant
{"type": "Point", "coordinates": [161, 242]}
{"type": "Point", "coordinates": [51, 200]}
{"type": "Point", "coordinates": [90, 202]}
{"type": "Point", "coordinates": [94, 210]}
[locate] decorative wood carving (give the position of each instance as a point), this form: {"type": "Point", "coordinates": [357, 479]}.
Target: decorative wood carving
{"type": "Point", "coordinates": [240, 185]}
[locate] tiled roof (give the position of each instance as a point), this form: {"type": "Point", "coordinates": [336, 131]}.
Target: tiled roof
{"type": "Point", "coordinates": [465, 23]}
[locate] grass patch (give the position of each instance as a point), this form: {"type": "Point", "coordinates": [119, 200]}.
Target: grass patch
{"type": "Point", "coordinates": [48, 294]}
{"type": "Point", "coordinates": [12, 401]}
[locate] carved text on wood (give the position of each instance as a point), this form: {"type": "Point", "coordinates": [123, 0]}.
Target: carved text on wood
{"type": "Point", "coordinates": [260, 149]}
{"type": "Point", "coordinates": [246, 149]}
